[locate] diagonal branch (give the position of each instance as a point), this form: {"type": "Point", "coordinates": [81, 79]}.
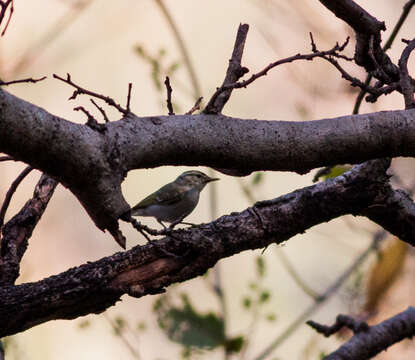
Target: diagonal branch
{"type": "Point", "coordinates": [368, 342]}
{"type": "Point", "coordinates": [145, 270]}
{"type": "Point", "coordinates": [18, 230]}
{"type": "Point", "coordinates": [234, 72]}
{"type": "Point", "coordinates": [11, 191]}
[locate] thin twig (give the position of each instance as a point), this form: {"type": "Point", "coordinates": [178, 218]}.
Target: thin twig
{"type": "Point", "coordinates": [195, 107]}
{"type": "Point", "coordinates": [130, 86]}
{"type": "Point", "coordinates": [11, 191]}
{"type": "Point", "coordinates": [169, 91]}
{"type": "Point", "coordinates": [241, 84]}
{"type": "Point", "coordinates": [81, 91]}
{"type": "Point", "coordinates": [120, 334]}
{"type": "Point", "coordinates": [27, 80]}
{"type": "Point", "coordinates": [101, 110]}
{"type": "Point", "coordinates": [3, 8]}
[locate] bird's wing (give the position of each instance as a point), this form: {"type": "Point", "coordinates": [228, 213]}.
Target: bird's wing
{"type": "Point", "coordinates": [166, 195]}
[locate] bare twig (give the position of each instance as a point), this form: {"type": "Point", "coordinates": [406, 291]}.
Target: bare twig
{"type": "Point", "coordinates": [405, 81]}
{"type": "Point", "coordinates": [169, 91]}
{"type": "Point", "coordinates": [195, 107]}
{"type": "Point", "coordinates": [79, 91]}
{"type": "Point", "coordinates": [27, 80]}
{"type": "Point", "coordinates": [101, 110]}
{"type": "Point", "coordinates": [11, 191]}
{"type": "Point", "coordinates": [130, 86]}
{"type": "Point", "coordinates": [3, 8]}
{"type": "Point", "coordinates": [236, 85]}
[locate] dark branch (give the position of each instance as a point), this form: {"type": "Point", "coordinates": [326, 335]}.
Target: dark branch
{"type": "Point", "coordinates": [169, 91]}
{"type": "Point", "coordinates": [144, 270]}
{"type": "Point", "coordinates": [101, 110]}
{"type": "Point", "coordinates": [242, 84]}
{"type": "Point", "coordinates": [27, 80]}
{"type": "Point", "coordinates": [130, 86]}
{"type": "Point", "coordinates": [367, 344]}
{"type": "Point", "coordinates": [341, 321]}
{"type": "Point", "coordinates": [406, 85]}
{"type": "Point", "coordinates": [234, 72]}
{"type": "Point", "coordinates": [91, 121]}
{"type": "Point", "coordinates": [81, 91]}
{"type": "Point", "coordinates": [11, 191]}
{"type": "Point", "coordinates": [18, 230]}
{"type": "Point", "coordinates": [3, 8]}
{"type": "Point", "coordinates": [404, 15]}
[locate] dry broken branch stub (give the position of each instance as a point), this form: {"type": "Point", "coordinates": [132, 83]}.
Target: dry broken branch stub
{"type": "Point", "coordinates": [169, 91]}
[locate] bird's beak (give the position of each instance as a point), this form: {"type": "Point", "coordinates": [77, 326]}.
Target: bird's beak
{"type": "Point", "coordinates": [211, 179]}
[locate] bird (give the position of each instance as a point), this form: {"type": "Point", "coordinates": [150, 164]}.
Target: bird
{"type": "Point", "coordinates": [175, 200]}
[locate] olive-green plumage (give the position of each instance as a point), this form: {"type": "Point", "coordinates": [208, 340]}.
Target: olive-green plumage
{"type": "Point", "coordinates": [174, 201]}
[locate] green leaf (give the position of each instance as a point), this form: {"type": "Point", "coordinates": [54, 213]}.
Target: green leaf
{"type": "Point", "coordinates": [247, 302]}
{"type": "Point", "coordinates": [84, 324]}
{"type": "Point", "coordinates": [260, 266]}
{"type": "Point", "coordinates": [184, 325]}
{"type": "Point", "coordinates": [234, 345]}
{"type": "Point", "coordinates": [271, 317]}
{"type": "Point", "coordinates": [141, 326]}
{"type": "Point", "coordinates": [257, 178]}
{"type": "Point", "coordinates": [264, 296]}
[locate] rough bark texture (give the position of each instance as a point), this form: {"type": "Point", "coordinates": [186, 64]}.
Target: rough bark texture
{"type": "Point", "coordinates": [93, 287]}
{"type": "Point", "coordinates": [367, 344]}
{"type": "Point", "coordinates": [66, 151]}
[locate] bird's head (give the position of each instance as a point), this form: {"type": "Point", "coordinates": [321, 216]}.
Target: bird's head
{"type": "Point", "coordinates": [195, 179]}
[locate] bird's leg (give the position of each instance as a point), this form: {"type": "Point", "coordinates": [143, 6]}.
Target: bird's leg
{"type": "Point", "coordinates": [161, 223]}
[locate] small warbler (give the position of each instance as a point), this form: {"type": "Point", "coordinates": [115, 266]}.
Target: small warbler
{"type": "Point", "coordinates": [175, 200]}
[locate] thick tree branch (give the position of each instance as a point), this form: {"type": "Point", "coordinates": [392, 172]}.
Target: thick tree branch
{"type": "Point", "coordinates": [371, 341]}
{"type": "Point", "coordinates": [67, 151]}
{"type": "Point", "coordinates": [93, 287]}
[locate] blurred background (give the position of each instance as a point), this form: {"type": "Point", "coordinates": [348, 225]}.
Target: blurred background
{"type": "Point", "coordinates": [258, 303]}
